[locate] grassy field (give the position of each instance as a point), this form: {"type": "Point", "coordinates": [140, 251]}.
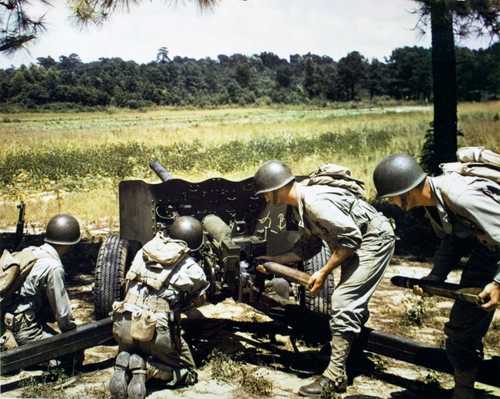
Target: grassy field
{"type": "Point", "coordinates": [73, 161]}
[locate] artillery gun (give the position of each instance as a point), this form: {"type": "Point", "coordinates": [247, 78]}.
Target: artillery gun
{"type": "Point", "coordinates": [238, 228]}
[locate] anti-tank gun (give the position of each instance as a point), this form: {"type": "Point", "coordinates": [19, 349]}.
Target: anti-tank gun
{"type": "Point", "coordinates": [238, 230]}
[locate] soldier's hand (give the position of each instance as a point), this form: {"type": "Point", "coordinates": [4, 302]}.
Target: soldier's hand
{"type": "Point", "coordinates": [315, 282]}
{"type": "Point", "coordinates": [262, 269]}
{"type": "Point", "coordinates": [417, 290]}
{"type": "Point", "coordinates": [490, 293]}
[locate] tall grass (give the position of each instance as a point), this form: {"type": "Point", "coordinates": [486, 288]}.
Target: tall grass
{"type": "Point", "coordinates": [85, 154]}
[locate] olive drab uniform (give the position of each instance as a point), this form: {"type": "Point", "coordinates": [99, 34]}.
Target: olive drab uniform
{"type": "Point", "coordinates": [468, 221]}
{"type": "Point", "coordinates": [26, 313]}
{"type": "Point", "coordinates": [341, 218]}
{"type": "Point", "coordinates": [161, 279]}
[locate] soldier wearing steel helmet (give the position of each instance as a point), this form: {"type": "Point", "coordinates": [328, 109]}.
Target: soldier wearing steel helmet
{"type": "Point", "coordinates": [464, 211]}
{"type": "Point", "coordinates": [26, 313]}
{"type": "Point", "coordinates": [361, 242]}
{"type": "Point", "coordinates": [163, 279]}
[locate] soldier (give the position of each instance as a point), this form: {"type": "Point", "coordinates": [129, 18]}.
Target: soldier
{"type": "Point", "coordinates": [26, 312]}
{"type": "Point", "coordinates": [361, 242]}
{"type": "Point", "coordinates": [465, 213]}
{"type": "Point", "coordinates": [162, 280]}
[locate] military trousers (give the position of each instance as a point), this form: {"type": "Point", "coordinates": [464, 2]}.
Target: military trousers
{"type": "Point", "coordinates": [359, 278]}
{"type": "Point", "coordinates": [26, 328]}
{"type": "Point", "coordinates": [468, 322]}
{"type": "Point", "coordinates": [166, 351]}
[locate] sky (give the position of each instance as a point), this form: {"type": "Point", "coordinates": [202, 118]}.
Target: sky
{"type": "Point", "coordinates": [324, 27]}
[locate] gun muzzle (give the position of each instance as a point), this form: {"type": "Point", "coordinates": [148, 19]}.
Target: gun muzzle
{"type": "Point", "coordinates": [160, 171]}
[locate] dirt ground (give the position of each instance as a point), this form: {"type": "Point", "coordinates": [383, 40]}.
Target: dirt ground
{"type": "Point", "coordinates": [246, 365]}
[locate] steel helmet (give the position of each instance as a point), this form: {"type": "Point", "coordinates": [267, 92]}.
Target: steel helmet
{"type": "Point", "coordinates": [189, 230]}
{"type": "Point", "coordinates": [271, 176]}
{"type": "Point", "coordinates": [62, 229]}
{"type": "Point", "coordinates": [396, 175]}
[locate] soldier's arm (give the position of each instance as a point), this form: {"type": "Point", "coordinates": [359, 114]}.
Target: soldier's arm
{"type": "Point", "coordinates": [447, 256]}
{"type": "Point", "coordinates": [482, 207]}
{"type": "Point", "coordinates": [304, 248]}
{"type": "Point", "coordinates": [339, 255]}
{"type": "Point", "coordinates": [339, 228]}
{"type": "Point", "coordinates": [59, 300]}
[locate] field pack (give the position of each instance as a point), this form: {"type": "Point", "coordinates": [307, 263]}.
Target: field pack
{"type": "Point", "coordinates": [14, 268]}
{"type": "Point", "coordinates": [334, 175]}
{"type": "Point", "coordinates": [475, 161]}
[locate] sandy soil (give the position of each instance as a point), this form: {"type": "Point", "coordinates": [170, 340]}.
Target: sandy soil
{"type": "Point", "coordinates": [264, 360]}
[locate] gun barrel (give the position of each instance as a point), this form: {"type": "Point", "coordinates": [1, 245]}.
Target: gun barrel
{"type": "Point", "coordinates": [216, 227]}
{"type": "Point", "coordinates": [287, 272]}
{"type": "Point", "coordinates": [160, 171]}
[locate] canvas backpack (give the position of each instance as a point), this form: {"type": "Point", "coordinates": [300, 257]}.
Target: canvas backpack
{"type": "Point", "coordinates": [334, 175]}
{"type": "Point", "coordinates": [475, 161]}
{"type": "Point", "coordinates": [14, 268]}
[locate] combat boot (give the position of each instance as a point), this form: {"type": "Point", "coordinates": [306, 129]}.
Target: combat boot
{"type": "Point", "coordinates": [323, 387]}
{"type": "Point", "coordinates": [158, 371]}
{"type": "Point", "coordinates": [336, 370]}
{"type": "Point", "coordinates": [137, 385]}
{"type": "Point", "coordinates": [464, 384]}
{"type": "Point", "coordinates": [119, 380]}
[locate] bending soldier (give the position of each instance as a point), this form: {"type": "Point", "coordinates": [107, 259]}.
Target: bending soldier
{"type": "Point", "coordinates": [361, 242]}
{"type": "Point", "coordinates": [26, 311]}
{"type": "Point", "coordinates": [465, 213]}
{"type": "Point", "coordinates": [162, 279]}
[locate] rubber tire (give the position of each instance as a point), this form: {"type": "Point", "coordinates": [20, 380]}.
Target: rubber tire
{"type": "Point", "coordinates": [111, 266]}
{"type": "Point", "coordinates": [322, 302]}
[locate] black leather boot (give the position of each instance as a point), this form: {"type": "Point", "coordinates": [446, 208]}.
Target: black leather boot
{"type": "Point", "coordinates": [137, 385]}
{"type": "Point", "coordinates": [119, 380]}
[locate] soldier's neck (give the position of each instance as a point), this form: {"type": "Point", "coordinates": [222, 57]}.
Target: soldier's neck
{"type": "Point", "coordinates": [293, 196]}
{"type": "Point", "coordinates": [425, 195]}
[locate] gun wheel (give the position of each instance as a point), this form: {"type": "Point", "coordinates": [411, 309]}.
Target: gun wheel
{"type": "Point", "coordinates": [113, 260]}
{"type": "Point", "coordinates": [322, 302]}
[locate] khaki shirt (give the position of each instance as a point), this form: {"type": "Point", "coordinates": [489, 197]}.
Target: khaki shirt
{"type": "Point", "coordinates": [468, 206]}
{"type": "Point", "coordinates": [331, 214]}
{"type": "Point", "coordinates": [188, 280]}
{"type": "Point", "coordinates": [45, 282]}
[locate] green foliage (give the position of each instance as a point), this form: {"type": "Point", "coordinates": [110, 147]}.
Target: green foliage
{"type": "Point", "coordinates": [241, 80]}
{"type": "Point", "coordinates": [428, 158]}
{"type": "Point", "coordinates": [416, 309]}
{"type": "Point", "coordinates": [73, 166]}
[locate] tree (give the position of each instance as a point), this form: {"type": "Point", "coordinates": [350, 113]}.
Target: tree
{"type": "Point", "coordinates": [18, 28]}
{"type": "Point", "coordinates": [378, 78]}
{"type": "Point", "coordinates": [46, 62]}
{"type": "Point", "coordinates": [352, 72]}
{"type": "Point", "coordinates": [162, 55]}
{"type": "Point", "coordinates": [411, 73]}
{"type": "Point", "coordinates": [447, 18]}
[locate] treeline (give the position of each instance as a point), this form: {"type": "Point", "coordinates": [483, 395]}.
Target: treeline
{"type": "Point", "coordinates": [238, 79]}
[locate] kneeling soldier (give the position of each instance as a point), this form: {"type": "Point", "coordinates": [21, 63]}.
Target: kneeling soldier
{"type": "Point", "coordinates": [361, 241]}
{"type": "Point", "coordinates": [162, 279]}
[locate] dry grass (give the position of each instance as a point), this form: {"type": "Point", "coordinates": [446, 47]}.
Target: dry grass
{"type": "Point", "coordinates": [92, 196]}
{"type": "Point", "coordinates": [247, 378]}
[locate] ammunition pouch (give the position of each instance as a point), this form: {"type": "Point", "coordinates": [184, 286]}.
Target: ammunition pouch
{"type": "Point", "coordinates": [133, 323]}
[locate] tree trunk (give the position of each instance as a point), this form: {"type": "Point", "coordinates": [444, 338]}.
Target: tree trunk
{"type": "Point", "coordinates": [444, 83]}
